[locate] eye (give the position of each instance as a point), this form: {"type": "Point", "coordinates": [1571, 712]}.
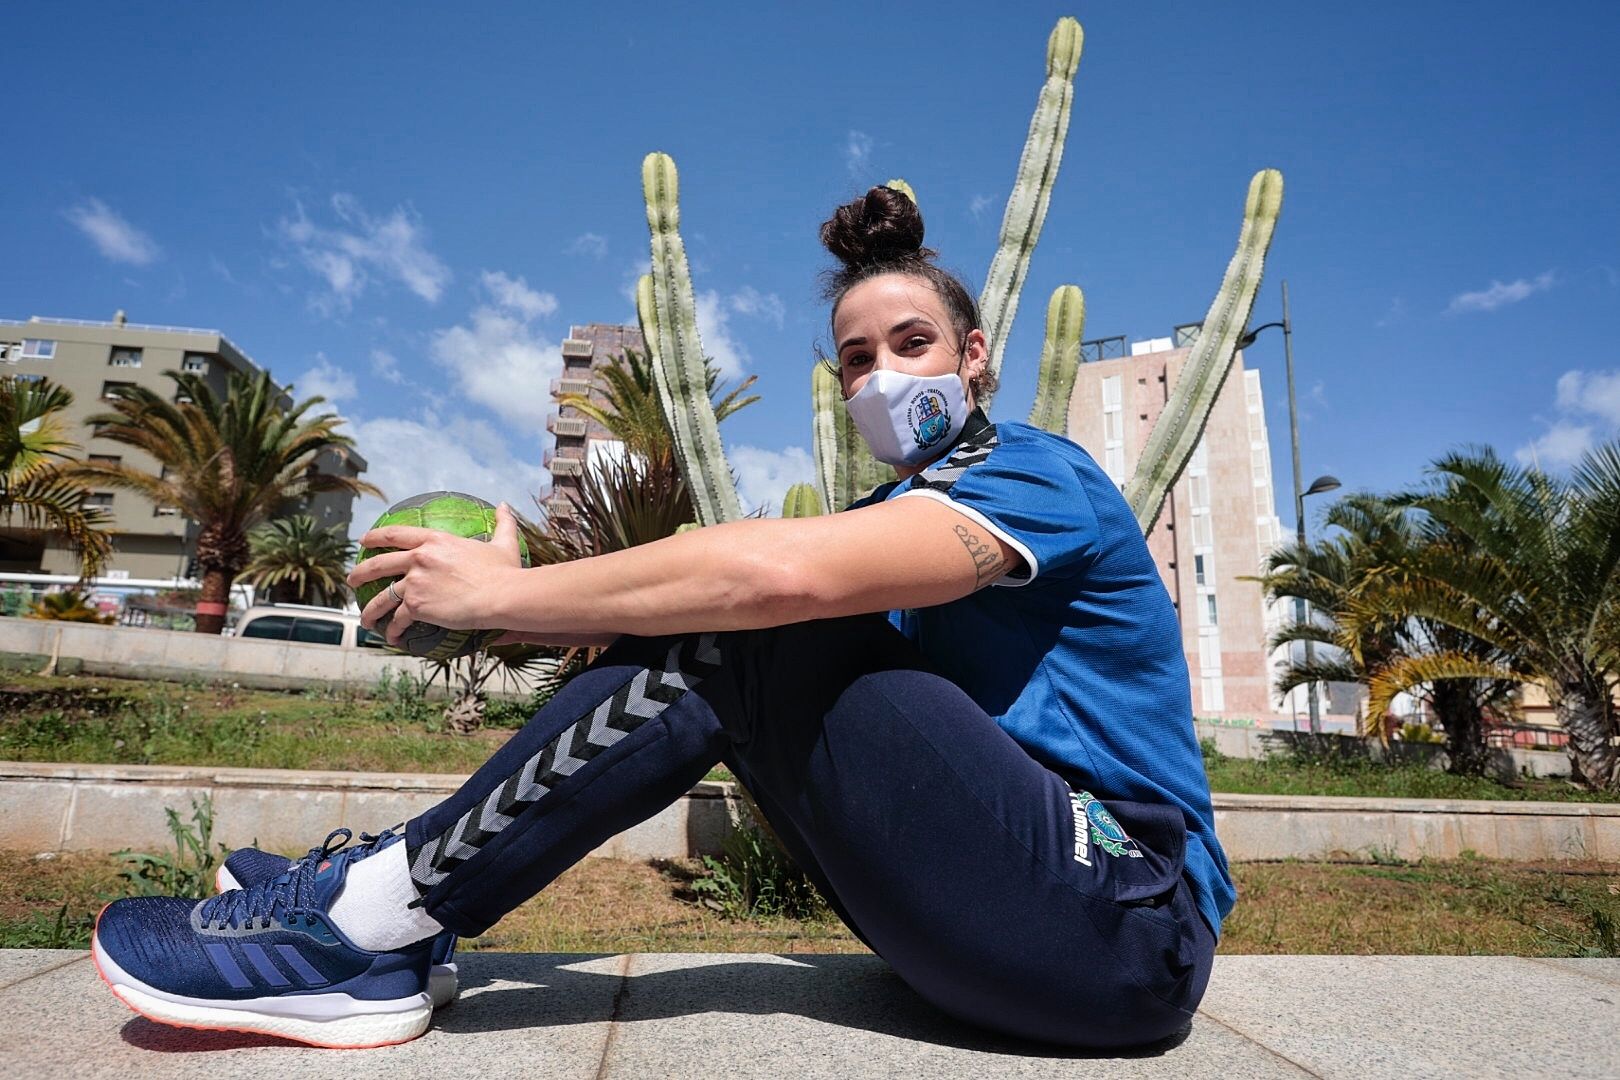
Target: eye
{"type": "Point", "coordinates": [915, 341]}
{"type": "Point", "coordinates": [855, 360]}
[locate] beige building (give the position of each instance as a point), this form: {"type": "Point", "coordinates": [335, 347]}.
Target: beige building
{"type": "Point", "coordinates": [1219, 520]}
{"type": "Point", "coordinates": [89, 359]}
{"type": "Point", "coordinates": [581, 441]}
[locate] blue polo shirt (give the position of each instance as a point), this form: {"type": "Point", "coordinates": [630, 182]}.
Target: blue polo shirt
{"type": "Point", "coordinates": [1077, 656]}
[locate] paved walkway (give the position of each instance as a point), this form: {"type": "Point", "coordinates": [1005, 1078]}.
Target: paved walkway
{"type": "Point", "coordinates": [735, 1017]}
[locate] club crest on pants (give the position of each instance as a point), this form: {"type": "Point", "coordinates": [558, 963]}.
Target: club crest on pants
{"type": "Point", "coordinates": [1094, 825]}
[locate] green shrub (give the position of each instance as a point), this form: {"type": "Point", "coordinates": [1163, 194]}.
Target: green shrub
{"type": "Point", "coordinates": [752, 877]}
{"type": "Point", "coordinates": [403, 701]}
{"type": "Point", "coordinates": [190, 872]}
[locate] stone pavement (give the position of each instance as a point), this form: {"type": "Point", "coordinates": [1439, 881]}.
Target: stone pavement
{"type": "Point", "coordinates": [735, 1017]}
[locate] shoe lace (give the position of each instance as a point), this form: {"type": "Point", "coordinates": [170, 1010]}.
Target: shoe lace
{"type": "Point", "coordinates": [287, 896]}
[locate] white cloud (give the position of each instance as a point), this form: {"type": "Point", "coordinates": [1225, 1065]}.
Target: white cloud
{"type": "Point", "coordinates": [763, 476]}
{"type": "Point", "coordinates": [1593, 392]}
{"type": "Point", "coordinates": [1394, 314]}
{"type": "Point", "coordinates": [113, 236]}
{"type": "Point", "coordinates": [326, 380]}
{"type": "Point", "coordinates": [1561, 445]}
{"type": "Point", "coordinates": [1581, 395]}
{"type": "Point", "coordinates": [979, 205]}
{"type": "Point", "coordinates": [361, 249]}
{"type": "Point", "coordinates": [750, 301]}
{"type": "Point", "coordinates": [433, 453]}
{"type": "Point", "coordinates": [1499, 295]}
{"type": "Point", "coordinates": [714, 327]}
{"type": "Point", "coordinates": [515, 295]}
{"type": "Point", "coordinates": [858, 153]}
{"type": "Point", "coordinates": [499, 359]}
{"type": "Point", "coordinates": [591, 244]}
{"type": "Point", "coordinates": [385, 365]}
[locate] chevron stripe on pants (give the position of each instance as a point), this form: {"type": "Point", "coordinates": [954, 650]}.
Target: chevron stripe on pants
{"type": "Point", "coordinates": [942, 843]}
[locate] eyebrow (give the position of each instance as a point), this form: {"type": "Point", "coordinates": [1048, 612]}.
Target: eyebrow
{"type": "Point", "coordinates": [906, 324]}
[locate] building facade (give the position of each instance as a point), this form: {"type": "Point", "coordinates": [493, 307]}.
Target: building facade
{"type": "Point", "coordinates": [1219, 520]}
{"type": "Point", "coordinates": [581, 441]}
{"type": "Point", "coordinates": [89, 359]}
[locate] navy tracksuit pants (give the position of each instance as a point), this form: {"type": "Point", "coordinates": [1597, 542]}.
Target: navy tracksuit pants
{"type": "Point", "coordinates": [944, 845]}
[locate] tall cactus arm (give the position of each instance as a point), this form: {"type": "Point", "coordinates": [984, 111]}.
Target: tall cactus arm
{"type": "Point", "coordinates": [1032, 191]}
{"type": "Point", "coordinates": [1060, 359]}
{"type": "Point", "coordinates": [845, 467]}
{"type": "Point", "coordinates": [682, 380]}
{"type": "Point", "coordinates": [1193, 397]}
{"type": "Point", "coordinates": [801, 501]}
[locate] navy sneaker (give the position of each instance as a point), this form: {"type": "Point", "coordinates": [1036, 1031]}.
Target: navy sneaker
{"type": "Point", "coordinates": [247, 867]}
{"type": "Point", "coordinates": [266, 960]}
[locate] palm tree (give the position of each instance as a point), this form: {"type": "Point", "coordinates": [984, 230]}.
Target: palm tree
{"type": "Point", "coordinates": [34, 448]}
{"type": "Point", "coordinates": [1535, 574]}
{"type": "Point", "coordinates": [1374, 536]}
{"type": "Point", "coordinates": [299, 562]}
{"type": "Point", "coordinates": [633, 412]}
{"type": "Point", "coordinates": [227, 464]}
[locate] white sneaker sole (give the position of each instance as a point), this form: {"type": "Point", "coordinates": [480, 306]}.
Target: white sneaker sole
{"type": "Point", "coordinates": [337, 1021]}
{"type": "Point", "coordinates": [442, 980]}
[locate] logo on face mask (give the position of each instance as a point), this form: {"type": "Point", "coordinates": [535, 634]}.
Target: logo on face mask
{"type": "Point", "coordinates": [930, 418]}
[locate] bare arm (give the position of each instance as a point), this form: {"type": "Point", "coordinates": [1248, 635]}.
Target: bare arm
{"type": "Point", "coordinates": [904, 553]}
{"type": "Point", "coordinates": [901, 554]}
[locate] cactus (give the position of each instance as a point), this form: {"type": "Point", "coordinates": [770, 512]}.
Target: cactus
{"type": "Point", "coordinates": [1187, 412]}
{"type": "Point", "coordinates": [667, 309]}
{"type": "Point", "coordinates": [1032, 191]}
{"type": "Point", "coordinates": [801, 501]}
{"type": "Point", "coordinates": [845, 468]}
{"type": "Point", "coordinates": [1060, 359]}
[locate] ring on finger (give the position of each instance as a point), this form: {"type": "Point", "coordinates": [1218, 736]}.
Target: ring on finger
{"type": "Point", "coordinates": [394, 593]}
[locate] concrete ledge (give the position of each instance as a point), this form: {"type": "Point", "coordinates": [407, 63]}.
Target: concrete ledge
{"type": "Point", "coordinates": [70, 807]}
{"type": "Point", "coordinates": [745, 1016]}
{"type": "Point", "coordinates": [66, 807]}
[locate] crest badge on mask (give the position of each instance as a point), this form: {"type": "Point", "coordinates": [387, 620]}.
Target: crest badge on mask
{"type": "Point", "coordinates": [907, 419]}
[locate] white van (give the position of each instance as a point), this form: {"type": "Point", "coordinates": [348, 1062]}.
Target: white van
{"type": "Point", "coordinates": [312, 625]}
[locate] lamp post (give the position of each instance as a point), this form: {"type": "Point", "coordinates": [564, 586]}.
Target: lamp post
{"type": "Point", "coordinates": [1318, 486]}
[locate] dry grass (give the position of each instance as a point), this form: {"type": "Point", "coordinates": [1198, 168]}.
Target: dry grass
{"type": "Point", "coordinates": [607, 906]}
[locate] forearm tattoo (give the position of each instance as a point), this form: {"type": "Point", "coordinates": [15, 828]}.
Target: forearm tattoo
{"type": "Point", "coordinates": [987, 561]}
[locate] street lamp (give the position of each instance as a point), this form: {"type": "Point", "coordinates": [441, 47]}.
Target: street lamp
{"type": "Point", "coordinates": [1319, 485]}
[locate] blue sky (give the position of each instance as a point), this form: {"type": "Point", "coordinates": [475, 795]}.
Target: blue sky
{"type": "Point", "coordinates": [405, 208]}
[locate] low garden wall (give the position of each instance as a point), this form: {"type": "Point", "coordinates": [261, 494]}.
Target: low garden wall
{"type": "Point", "coordinates": [109, 807]}
{"type": "Point", "coordinates": [1257, 742]}
{"type": "Point", "coordinates": [141, 653]}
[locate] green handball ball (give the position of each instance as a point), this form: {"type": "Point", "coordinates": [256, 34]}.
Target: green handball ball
{"type": "Point", "coordinates": [446, 511]}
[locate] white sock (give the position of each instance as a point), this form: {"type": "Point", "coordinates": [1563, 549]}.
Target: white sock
{"type": "Point", "coordinates": [373, 908]}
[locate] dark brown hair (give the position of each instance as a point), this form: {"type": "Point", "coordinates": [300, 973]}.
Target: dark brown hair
{"type": "Point", "coordinates": [881, 232]}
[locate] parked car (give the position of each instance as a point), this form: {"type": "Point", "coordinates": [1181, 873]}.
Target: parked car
{"type": "Point", "coordinates": [300, 622]}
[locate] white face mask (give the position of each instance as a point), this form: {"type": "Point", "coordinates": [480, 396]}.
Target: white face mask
{"type": "Point", "coordinates": [907, 419]}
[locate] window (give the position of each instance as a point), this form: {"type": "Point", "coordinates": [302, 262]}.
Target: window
{"type": "Point", "coordinates": [125, 357]}
{"type": "Point", "coordinates": [1198, 490]}
{"type": "Point", "coordinates": [1203, 532]}
{"type": "Point", "coordinates": [318, 631]}
{"type": "Point", "coordinates": [29, 379]}
{"type": "Point", "coordinates": [106, 459]}
{"type": "Point", "coordinates": [1110, 387]}
{"type": "Point", "coordinates": [165, 511]}
{"type": "Point", "coordinates": [1208, 610]}
{"type": "Point", "coordinates": [1214, 696]}
{"type": "Point", "coordinates": [1114, 463]}
{"type": "Point", "coordinates": [1113, 426]}
{"type": "Point", "coordinates": [369, 639]}
{"type": "Point", "coordinates": [273, 627]}
{"type": "Point", "coordinates": [1198, 570]}
{"type": "Point", "coordinates": [1209, 653]}
{"type": "Point", "coordinates": [99, 499]}
{"type": "Point", "coordinates": [108, 387]}
{"type": "Point", "coordinates": [195, 362]}
{"type": "Point", "coordinates": [38, 348]}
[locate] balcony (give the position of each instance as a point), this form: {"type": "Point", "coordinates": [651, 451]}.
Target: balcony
{"type": "Point", "coordinates": [581, 387]}
{"type": "Point", "coordinates": [562, 466]}
{"type": "Point", "coordinates": [577, 347]}
{"type": "Point", "coordinates": [566, 425]}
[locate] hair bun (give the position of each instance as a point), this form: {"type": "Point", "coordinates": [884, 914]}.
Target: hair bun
{"type": "Point", "coordinates": [882, 226]}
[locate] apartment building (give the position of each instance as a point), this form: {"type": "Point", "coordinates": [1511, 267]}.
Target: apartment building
{"type": "Point", "coordinates": [90, 358]}
{"type": "Point", "coordinates": [581, 441]}
{"type": "Point", "coordinates": [1219, 520]}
